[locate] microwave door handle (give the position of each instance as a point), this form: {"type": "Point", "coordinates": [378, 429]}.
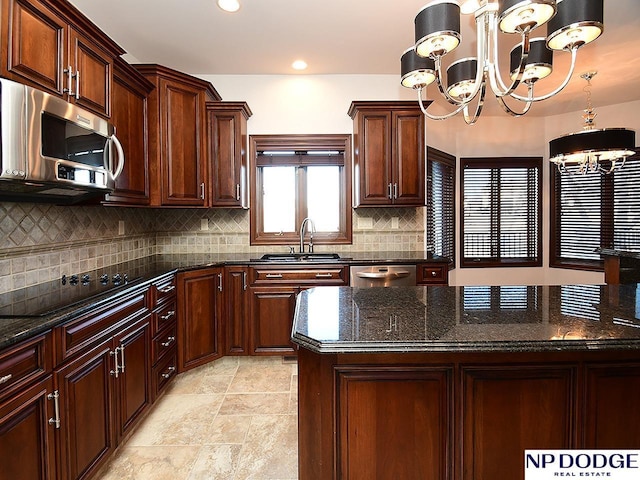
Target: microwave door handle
{"type": "Point", "coordinates": [120, 152]}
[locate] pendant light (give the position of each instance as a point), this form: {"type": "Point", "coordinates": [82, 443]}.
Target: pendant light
{"type": "Point", "coordinates": [592, 150]}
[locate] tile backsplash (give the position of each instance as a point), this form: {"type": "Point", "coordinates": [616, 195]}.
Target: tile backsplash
{"type": "Point", "coordinates": [41, 242]}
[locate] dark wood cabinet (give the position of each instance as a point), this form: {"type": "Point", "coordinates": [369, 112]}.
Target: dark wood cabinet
{"type": "Point", "coordinates": [87, 435]}
{"type": "Point", "coordinates": [200, 309]}
{"type": "Point", "coordinates": [273, 291]}
{"type": "Point", "coordinates": [129, 116]}
{"type": "Point", "coordinates": [238, 308]}
{"type": "Point", "coordinates": [227, 145]}
{"type": "Point", "coordinates": [389, 158]}
{"type": "Point", "coordinates": [432, 274]}
{"type": "Point", "coordinates": [179, 171]}
{"type": "Point", "coordinates": [50, 45]}
{"type": "Point", "coordinates": [272, 310]}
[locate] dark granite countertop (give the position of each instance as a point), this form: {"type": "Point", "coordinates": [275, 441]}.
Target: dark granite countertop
{"type": "Point", "coordinates": [33, 310]}
{"type": "Point", "coordinates": [472, 319]}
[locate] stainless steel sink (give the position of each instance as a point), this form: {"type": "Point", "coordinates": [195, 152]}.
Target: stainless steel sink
{"type": "Point", "coordinates": [300, 257]}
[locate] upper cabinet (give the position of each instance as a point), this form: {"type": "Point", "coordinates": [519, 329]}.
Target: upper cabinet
{"type": "Point", "coordinates": [389, 160]}
{"type": "Point", "coordinates": [179, 171]}
{"type": "Point", "coordinates": [227, 134]}
{"type": "Point", "coordinates": [129, 116]}
{"type": "Point", "coordinates": [52, 46]}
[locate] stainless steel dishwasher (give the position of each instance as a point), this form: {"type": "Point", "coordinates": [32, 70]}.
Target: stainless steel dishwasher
{"type": "Point", "coordinates": [383, 275]}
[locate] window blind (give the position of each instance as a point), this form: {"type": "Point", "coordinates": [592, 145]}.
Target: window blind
{"type": "Point", "coordinates": [441, 203]}
{"type": "Point", "coordinates": [501, 211]}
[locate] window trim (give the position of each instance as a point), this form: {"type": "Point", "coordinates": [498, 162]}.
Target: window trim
{"type": "Point", "coordinates": [320, 142]}
{"type": "Point", "coordinates": [502, 162]}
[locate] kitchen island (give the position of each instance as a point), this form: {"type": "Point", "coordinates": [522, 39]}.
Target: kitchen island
{"type": "Point", "coordinates": [456, 382]}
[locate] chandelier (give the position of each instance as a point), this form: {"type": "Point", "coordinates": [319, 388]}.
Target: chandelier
{"type": "Point", "coordinates": [592, 150]}
{"type": "Point", "coordinates": [570, 25]}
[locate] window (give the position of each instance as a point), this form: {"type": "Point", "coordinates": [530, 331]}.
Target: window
{"type": "Point", "coordinates": [441, 175]}
{"type": "Point", "coordinates": [501, 212]}
{"type": "Point", "coordinates": [591, 211]}
{"type": "Point", "coordinates": [300, 176]}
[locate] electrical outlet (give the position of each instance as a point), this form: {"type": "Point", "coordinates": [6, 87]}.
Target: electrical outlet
{"type": "Point", "coordinates": [120, 227]}
{"type": "Point", "coordinates": [395, 222]}
{"type": "Point", "coordinates": [204, 224]}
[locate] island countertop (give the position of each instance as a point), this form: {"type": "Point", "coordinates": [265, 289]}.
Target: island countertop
{"type": "Point", "coordinates": [472, 319]}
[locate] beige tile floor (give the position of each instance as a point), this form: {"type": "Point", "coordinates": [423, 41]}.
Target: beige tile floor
{"type": "Point", "coordinates": [232, 419]}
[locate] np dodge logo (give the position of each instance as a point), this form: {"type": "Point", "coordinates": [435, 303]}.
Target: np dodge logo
{"type": "Point", "coordinates": [610, 464]}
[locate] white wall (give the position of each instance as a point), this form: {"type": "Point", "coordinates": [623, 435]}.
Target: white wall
{"type": "Point", "coordinates": [291, 104]}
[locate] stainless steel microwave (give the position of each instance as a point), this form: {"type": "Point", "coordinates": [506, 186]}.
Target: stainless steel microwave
{"type": "Point", "coordinates": [52, 149]}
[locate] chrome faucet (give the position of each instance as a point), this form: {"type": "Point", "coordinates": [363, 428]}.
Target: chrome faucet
{"type": "Point", "coordinates": [311, 232]}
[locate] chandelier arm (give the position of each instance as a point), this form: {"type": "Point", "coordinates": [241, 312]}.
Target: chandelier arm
{"type": "Point", "coordinates": [437, 117]}
{"type": "Point", "coordinates": [471, 120]}
{"type": "Point", "coordinates": [512, 112]}
{"type": "Point", "coordinates": [497, 84]}
{"type": "Point", "coordinates": [443, 91]}
{"type": "Point", "coordinates": [574, 56]}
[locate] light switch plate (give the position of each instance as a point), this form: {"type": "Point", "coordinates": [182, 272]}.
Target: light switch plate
{"type": "Point", "coordinates": [120, 227]}
{"type": "Point", "coordinates": [395, 222]}
{"type": "Point", "coordinates": [365, 223]}
{"type": "Point", "coordinates": [204, 224]}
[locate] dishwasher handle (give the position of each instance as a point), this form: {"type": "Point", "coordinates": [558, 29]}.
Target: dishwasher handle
{"type": "Point", "coordinates": [396, 274]}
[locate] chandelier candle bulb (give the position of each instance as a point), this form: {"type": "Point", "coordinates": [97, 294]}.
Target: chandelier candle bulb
{"type": "Point", "coordinates": [517, 15]}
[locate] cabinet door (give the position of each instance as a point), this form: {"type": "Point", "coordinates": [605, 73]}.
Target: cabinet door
{"type": "Point", "coordinates": [373, 158]}
{"type": "Point", "coordinates": [199, 313]}
{"type": "Point", "coordinates": [394, 423]}
{"type": "Point", "coordinates": [237, 314]}
{"type": "Point", "coordinates": [408, 158]}
{"type": "Point", "coordinates": [133, 386]}
{"type": "Point", "coordinates": [33, 45]}
{"type": "Point", "coordinates": [129, 116]}
{"type": "Point", "coordinates": [26, 438]}
{"type": "Point", "coordinates": [272, 310]}
{"type": "Point", "coordinates": [507, 410]}
{"type": "Point", "coordinates": [86, 432]}
{"type": "Point", "coordinates": [227, 136]}
{"type": "Point", "coordinates": [93, 74]}
{"type": "Point", "coordinates": [183, 170]}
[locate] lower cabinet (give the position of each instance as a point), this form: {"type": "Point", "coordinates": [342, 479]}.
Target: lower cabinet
{"type": "Point", "coordinates": [272, 310]}
{"type": "Point", "coordinates": [237, 305]}
{"type": "Point", "coordinates": [26, 436]}
{"type": "Point", "coordinates": [200, 309]}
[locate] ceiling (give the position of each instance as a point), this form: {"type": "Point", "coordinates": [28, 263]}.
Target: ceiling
{"type": "Point", "coordinates": [344, 37]}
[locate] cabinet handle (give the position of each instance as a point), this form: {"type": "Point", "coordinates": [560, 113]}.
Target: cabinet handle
{"type": "Point", "coordinates": [390, 187]}
{"type": "Point", "coordinates": [169, 314]}
{"type": "Point", "coordinates": [169, 341]}
{"type": "Point", "coordinates": [202, 190]}
{"type": "Point", "coordinates": [121, 358]}
{"type": "Point", "coordinates": [69, 90]}
{"type": "Point", "coordinates": [117, 370]}
{"type": "Point", "coordinates": [220, 282]}
{"type": "Point", "coordinates": [55, 396]}
{"type": "Point", "coordinates": [274, 275]}
{"type": "Point", "coordinates": [168, 373]}
{"type": "Point", "coordinates": [244, 280]}
{"type": "Point", "coordinates": [77, 84]}
{"type": "Point", "coordinates": [395, 191]}
{"type": "Point", "coordinates": [6, 378]}
{"type": "Point", "coordinates": [238, 191]}
{"type": "Point", "coordinates": [324, 275]}
{"type": "Point", "coordinates": [434, 273]}
{"type": "Point", "coordinates": [168, 289]}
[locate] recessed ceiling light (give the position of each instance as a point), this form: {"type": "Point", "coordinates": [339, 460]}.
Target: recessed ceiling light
{"type": "Point", "coordinates": [299, 65]}
{"type": "Point", "coordinates": [229, 5]}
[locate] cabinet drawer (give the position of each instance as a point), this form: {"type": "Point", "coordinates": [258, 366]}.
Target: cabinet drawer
{"type": "Point", "coordinates": [87, 329]}
{"type": "Point", "coordinates": [163, 342]}
{"type": "Point", "coordinates": [430, 274]}
{"type": "Point", "coordinates": [164, 371]}
{"type": "Point", "coordinates": [164, 316]}
{"type": "Point", "coordinates": [164, 290]}
{"type": "Point", "coordinates": [313, 275]}
{"type": "Point", "coordinates": [23, 363]}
